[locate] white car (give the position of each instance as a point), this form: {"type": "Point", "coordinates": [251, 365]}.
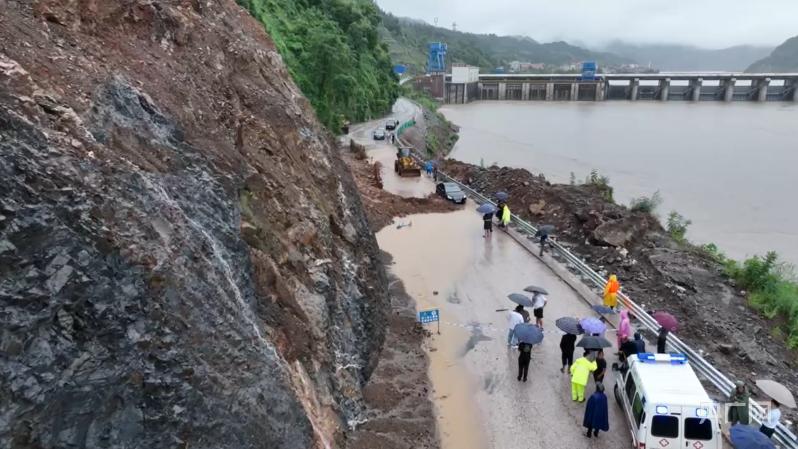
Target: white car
{"type": "Point", "coordinates": [379, 134]}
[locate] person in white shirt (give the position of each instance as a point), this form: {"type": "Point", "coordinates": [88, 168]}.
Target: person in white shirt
{"type": "Point", "coordinates": [537, 309]}
{"type": "Point", "coordinates": [514, 318]}
{"type": "Point", "coordinates": [772, 419]}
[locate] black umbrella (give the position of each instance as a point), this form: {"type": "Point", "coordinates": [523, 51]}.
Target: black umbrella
{"type": "Point", "coordinates": [521, 299]}
{"type": "Point", "coordinates": [528, 333]}
{"type": "Point", "coordinates": [545, 230]}
{"type": "Point", "coordinates": [569, 325]}
{"type": "Point", "coordinates": [536, 289]}
{"type": "Point", "coordinates": [593, 342]}
{"type": "Point", "coordinates": [486, 208]}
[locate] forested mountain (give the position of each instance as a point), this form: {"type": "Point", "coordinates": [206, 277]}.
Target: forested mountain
{"type": "Point", "coordinates": [668, 57]}
{"type": "Point", "coordinates": [783, 59]}
{"type": "Point", "coordinates": [333, 51]}
{"type": "Point", "coordinates": [408, 40]}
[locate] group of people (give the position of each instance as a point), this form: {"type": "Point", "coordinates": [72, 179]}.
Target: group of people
{"type": "Point", "coordinates": [520, 315]}
{"type": "Point", "coordinates": [738, 411]}
{"type": "Point", "coordinates": [502, 214]}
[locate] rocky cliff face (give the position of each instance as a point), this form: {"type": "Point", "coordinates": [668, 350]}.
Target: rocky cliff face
{"type": "Point", "coordinates": [184, 261]}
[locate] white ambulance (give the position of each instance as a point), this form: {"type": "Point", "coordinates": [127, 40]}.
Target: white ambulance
{"type": "Point", "coordinates": [665, 404]}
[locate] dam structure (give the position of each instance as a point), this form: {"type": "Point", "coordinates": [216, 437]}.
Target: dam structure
{"type": "Point", "coordinates": [465, 85]}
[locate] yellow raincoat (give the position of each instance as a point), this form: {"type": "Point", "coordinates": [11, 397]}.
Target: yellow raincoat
{"type": "Point", "coordinates": [506, 215]}
{"type": "Point", "coordinates": [611, 292]}
{"type": "Point", "coordinates": [580, 371]}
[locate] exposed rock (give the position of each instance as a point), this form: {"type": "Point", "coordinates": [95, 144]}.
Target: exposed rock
{"type": "Point", "coordinates": [537, 208]}
{"type": "Point", "coordinates": [165, 191]}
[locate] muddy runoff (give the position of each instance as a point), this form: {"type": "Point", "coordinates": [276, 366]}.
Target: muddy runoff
{"type": "Point", "coordinates": [445, 263]}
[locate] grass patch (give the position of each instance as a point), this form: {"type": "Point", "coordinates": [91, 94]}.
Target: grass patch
{"type": "Point", "coordinates": [646, 204]}
{"type": "Point", "coordinates": [602, 183]}
{"type": "Point", "coordinates": [677, 226]}
{"type": "Point", "coordinates": [772, 289]}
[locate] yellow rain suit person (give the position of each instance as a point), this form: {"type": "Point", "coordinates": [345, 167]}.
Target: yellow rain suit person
{"type": "Point", "coordinates": [611, 292]}
{"type": "Point", "coordinates": [580, 371]}
{"type": "Point", "coordinates": [506, 215]}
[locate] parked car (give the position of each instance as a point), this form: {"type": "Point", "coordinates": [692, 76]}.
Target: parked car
{"type": "Point", "coordinates": [451, 191]}
{"type": "Point", "coordinates": [391, 124]}
{"type": "Point", "coordinates": [379, 134]}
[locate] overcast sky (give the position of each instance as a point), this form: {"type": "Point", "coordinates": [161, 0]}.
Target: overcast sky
{"type": "Point", "coordinates": [704, 23]}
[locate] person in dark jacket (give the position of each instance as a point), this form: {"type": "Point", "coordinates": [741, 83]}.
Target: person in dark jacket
{"type": "Point", "coordinates": [662, 339]}
{"type": "Point", "coordinates": [596, 412]}
{"type": "Point", "coordinates": [499, 212]}
{"type": "Point", "coordinates": [601, 364]}
{"type": "Point", "coordinates": [487, 225]}
{"type": "Point", "coordinates": [639, 343]}
{"type": "Point", "coordinates": [567, 345]}
{"type": "Point", "coordinates": [628, 348]}
{"type": "Point", "coordinates": [524, 357]}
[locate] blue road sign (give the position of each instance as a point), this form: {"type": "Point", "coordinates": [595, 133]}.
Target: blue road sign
{"type": "Point", "coordinates": [428, 316]}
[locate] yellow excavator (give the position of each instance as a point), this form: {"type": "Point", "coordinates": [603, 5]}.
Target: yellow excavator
{"type": "Point", "coordinates": [405, 165]}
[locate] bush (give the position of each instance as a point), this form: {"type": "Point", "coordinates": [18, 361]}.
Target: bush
{"type": "Point", "coordinates": [772, 289]}
{"type": "Point", "coordinates": [677, 225]}
{"type": "Point", "coordinates": [712, 251]}
{"type": "Point", "coordinates": [646, 204]}
{"type": "Point", "coordinates": [601, 182]}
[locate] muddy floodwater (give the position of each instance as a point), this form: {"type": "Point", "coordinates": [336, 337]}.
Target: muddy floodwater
{"type": "Point", "coordinates": [445, 264]}
{"type": "Point", "coordinates": [730, 168]}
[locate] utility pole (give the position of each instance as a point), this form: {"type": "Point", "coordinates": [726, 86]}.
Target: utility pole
{"type": "Point", "coordinates": [454, 26]}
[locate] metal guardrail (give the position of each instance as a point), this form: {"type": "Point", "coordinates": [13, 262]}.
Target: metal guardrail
{"type": "Point", "coordinates": [782, 435]}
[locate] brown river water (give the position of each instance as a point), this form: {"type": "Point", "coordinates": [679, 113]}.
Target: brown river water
{"type": "Point", "coordinates": [730, 168]}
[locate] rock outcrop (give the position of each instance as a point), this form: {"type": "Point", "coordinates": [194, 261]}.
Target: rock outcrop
{"type": "Point", "coordinates": [184, 260]}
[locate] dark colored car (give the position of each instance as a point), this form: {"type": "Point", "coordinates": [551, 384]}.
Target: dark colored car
{"type": "Point", "coordinates": [391, 124]}
{"type": "Point", "coordinates": [451, 191]}
{"type": "Point", "coordinates": [379, 134]}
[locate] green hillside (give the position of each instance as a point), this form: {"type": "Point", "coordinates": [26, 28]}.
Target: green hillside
{"type": "Point", "coordinates": [408, 39]}
{"type": "Point", "coordinates": [783, 59]}
{"type": "Point", "coordinates": [334, 53]}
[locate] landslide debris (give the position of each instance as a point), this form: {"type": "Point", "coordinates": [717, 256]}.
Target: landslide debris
{"type": "Point", "coordinates": [184, 259]}
{"type": "Point", "coordinates": [654, 269]}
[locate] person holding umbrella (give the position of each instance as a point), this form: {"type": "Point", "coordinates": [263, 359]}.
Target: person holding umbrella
{"type": "Point", "coordinates": [779, 395]}
{"type": "Point", "coordinates": [596, 412]}
{"type": "Point", "coordinates": [601, 367]}
{"type": "Point", "coordinates": [662, 340]}
{"type": "Point", "coordinates": [537, 309]}
{"type": "Point", "coordinates": [570, 327]}
{"type": "Point", "coordinates": [772, 419]}
{"type": "Point", "coordinates": [580, 371]}
{"type": "Point", "coordinates": [528, 335]}
{"type": "Point", "coordinates": [611, 292]}
{"type": "Point", "coordinates": [487, 211]}
{"type": "Point", "coordinates": [543, 234]}
{"type": "Point", "coordinates": [514, 318]}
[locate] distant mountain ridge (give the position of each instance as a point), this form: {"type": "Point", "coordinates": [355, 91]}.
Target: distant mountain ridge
{"type": "Point", "coordinates": [407, 40]}
{"type": "Point", "coordinates": [671, 57]}
{"type": "Point", "coordinates": [784, 58]}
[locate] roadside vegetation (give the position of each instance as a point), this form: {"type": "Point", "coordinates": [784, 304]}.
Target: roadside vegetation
{"type": "Point", "coordinates": [602, 183]}
{"type": "Point", "coordinates": [441, 134]}
{"type": "Point", "coordinates": [333, 51]}
{"type": "Point", "coordinates": [771, 285]}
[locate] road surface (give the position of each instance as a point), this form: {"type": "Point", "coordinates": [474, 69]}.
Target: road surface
{"type": "Point", "coordinates": [479, 400]}
{"type": "Point", "coordinates": [445, 263]}
{"type": "Point", "coordinates": [385, 153]}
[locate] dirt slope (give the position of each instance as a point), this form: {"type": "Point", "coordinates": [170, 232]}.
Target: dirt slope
{"type": "Point", "coordinates": [184, 259]}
